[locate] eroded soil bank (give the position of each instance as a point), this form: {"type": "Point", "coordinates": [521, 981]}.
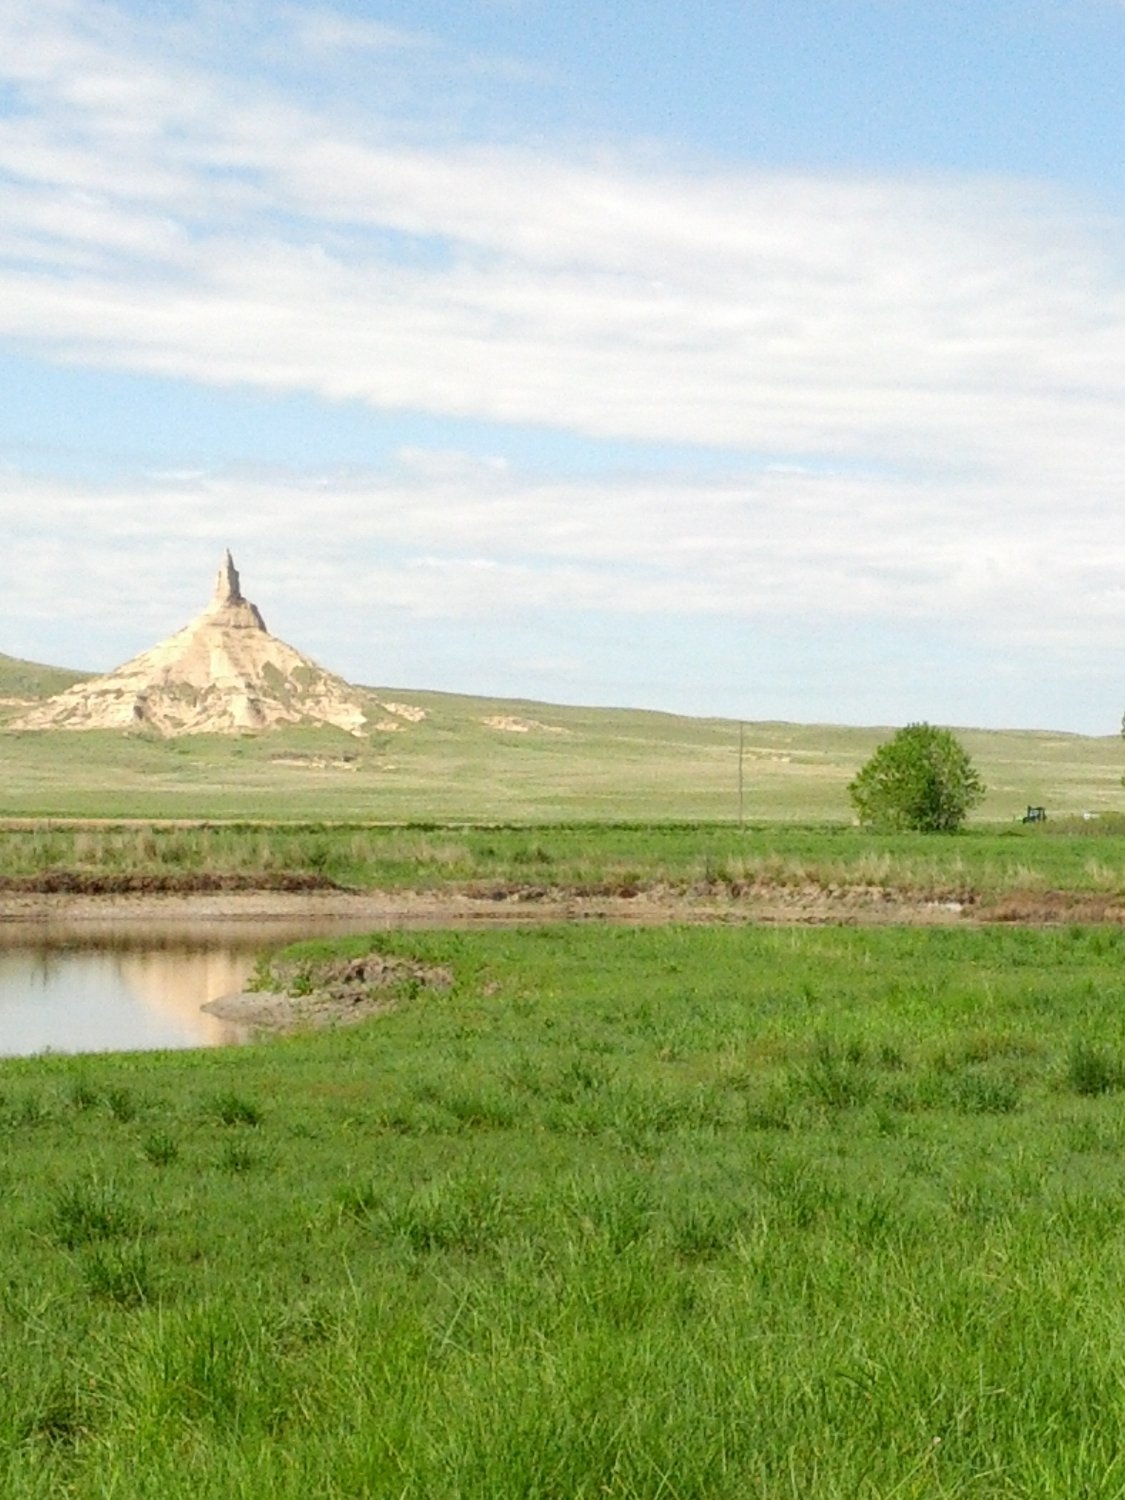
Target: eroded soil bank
{"type": "Point", "coordinates": [809, 903]}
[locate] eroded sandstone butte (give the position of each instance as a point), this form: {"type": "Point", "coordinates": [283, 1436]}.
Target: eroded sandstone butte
{"type": "Point", "coordinates": [222, 674]}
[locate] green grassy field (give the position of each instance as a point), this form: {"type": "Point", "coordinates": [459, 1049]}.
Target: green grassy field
{"type": "Point", "coordinates": [660, 1213]}
{"type": "Point", "coordinates": [679, 1213]}
{"type": "Point", "coordinates": [1079, 858]}
{"type": "Point", "coordinates": [570, 764]}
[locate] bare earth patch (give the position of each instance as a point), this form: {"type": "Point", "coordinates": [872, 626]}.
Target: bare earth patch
{"type": "Point", "coordinates": [510, 724]}
{"type": "Point", "coordinates": [315, 762]}
{"type": "Point", "coordinates": [346, 992]}
{"type": "Point", "coordinates": [139, 898]}
{"type": "Point", "coordinates": [408, 711]}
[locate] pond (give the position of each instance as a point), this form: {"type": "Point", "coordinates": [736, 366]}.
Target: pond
{"type": "Point", "coordinates": [137, 986]}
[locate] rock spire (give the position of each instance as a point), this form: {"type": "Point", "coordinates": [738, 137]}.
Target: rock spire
{"type": "Point", "coordinates": [222, 674]}
{"type": "Point", "coordinates": [227, 587]}
{"type": "Point", "coordinates": [227, 605]}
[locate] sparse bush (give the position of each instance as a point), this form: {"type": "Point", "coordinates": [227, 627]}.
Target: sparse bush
{"type": "Point", "coordinates": [237, 1156]}
{"type": "Point", "coordinates": [54, 1416]}
{"type": "Point", "coordinates": [122, 1105]}
{"type": "Point", "coordinates": [464, 1214]}
{"type": "Point", "coordinates": [29, 1112]}
{"type": "Point", "coordinates": [981, 1092]}
{"type": "Point", "coordinates": [83, 1095]}
{"type": "Point", "coordinates": [118, 1273]}
{"type": "Point", "coordinates": [891, 1057]}
{"type": "Point", "coordinates": [704, 1227]}
{"type": "Point", "coordinates": [160, 1148]}
{"type": "Point", "coordinates": [836, 1078]}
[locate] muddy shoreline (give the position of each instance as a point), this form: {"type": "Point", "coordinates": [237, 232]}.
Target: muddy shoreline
{"type": "Point", "coordinates": [466, 909]}
{"type": "Point", "coordinates": [781, 904]}
{"type": "Point", "coordinates": [270, 919]}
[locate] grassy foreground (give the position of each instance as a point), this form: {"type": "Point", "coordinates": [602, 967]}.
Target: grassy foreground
{"type": "Point", "coordinates": [709, 1212]}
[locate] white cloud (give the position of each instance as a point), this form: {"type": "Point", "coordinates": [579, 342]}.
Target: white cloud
{"type": "Point", "coordinates": [457, 539]}
{"type": "Point", "coordinates": [463, 557]}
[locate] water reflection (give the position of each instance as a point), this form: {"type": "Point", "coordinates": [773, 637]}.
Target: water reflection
{"type": "Point", "coordinates": [85, 1001]}
{"type": "Point", "coordinates": [135, 987]}
{"type": "Point", "coordinates": [173, 986]}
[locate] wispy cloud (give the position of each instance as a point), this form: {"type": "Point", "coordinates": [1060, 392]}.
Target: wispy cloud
{"type": "Point", "coordinates": [249, 239]}
{"type": "Point", "coordinates": [455, 540]}
{"type": "Point", "coordinates": [329, 31]}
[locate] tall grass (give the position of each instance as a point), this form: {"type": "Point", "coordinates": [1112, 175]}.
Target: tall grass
{"type": "Point", "coordinates": [714, 860]}
{"type": "Point", "coordinates": [704, 1212]}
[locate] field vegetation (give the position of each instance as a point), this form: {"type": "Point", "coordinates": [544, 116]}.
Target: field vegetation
{"type": "Point", "coordinates": [677, 1212]}
{"type": "Point", "coordinates": [491, 760]}
{"type": "Point", "coordinates": [599, 859]}
{"type": "Point", "coordinates": [680, 1213]}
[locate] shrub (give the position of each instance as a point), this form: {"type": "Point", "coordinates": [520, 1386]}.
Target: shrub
{"type": "Point", "coordinates": [922, 780]}
{"type": "Point", "coordinates": [118, 1273]}
{"type": "Point", "coordinates": [160, 1148]}
{"type": "Point", "coordinates": [122, 1105]}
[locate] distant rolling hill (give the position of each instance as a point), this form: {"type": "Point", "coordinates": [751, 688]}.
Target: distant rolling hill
{"type": "Point", "coordinates": [446, 757]}
{"type": "Point", "coordinates": [30, 681]}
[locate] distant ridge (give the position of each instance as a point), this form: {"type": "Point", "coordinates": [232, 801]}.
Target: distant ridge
{"type": "Point", "coordinates": [224, 673]}
{"type": "Point", "coordinates": [24, 682]}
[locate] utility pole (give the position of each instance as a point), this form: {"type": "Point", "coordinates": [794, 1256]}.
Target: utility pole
{"type": "Point", "coordinates": [741, 743]}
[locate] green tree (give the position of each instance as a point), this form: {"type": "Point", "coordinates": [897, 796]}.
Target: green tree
{"type": "Point", "coordinates": [922, 779]}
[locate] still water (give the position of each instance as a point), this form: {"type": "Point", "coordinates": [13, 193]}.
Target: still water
{"type": "Point", "coordinates": [132, 987]}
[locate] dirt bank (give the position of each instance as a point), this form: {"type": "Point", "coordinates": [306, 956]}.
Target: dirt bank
{"type": "Point", "coordinates": [164, 883]}
{"type": "Point", "coordinates": [860, 905]}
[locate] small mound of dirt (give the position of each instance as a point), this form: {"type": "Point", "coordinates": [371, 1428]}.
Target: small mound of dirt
{"type": "Point", "coordinates": [354, 981]}
{"type": "Point", "coordinates": [1034, 908]}
{"type": "Point", "coordinates": [304, 995]}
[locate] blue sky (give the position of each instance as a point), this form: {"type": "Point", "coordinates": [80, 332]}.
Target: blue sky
{"type": "Point", "coordinates": [763, 360]}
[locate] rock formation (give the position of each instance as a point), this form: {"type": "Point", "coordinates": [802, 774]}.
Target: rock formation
{"type": "Point", "coordinates": [221, 674]}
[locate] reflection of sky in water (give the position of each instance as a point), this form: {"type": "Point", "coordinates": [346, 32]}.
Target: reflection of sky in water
{"type": "Point", "coordinates": [89, 1001]}
{"type": "Point", "coordinates": [135, 987]}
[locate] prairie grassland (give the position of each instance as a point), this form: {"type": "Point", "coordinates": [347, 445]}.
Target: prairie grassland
{"type": "Point", "coordinates": [693, 1213]}
{"type": "Point", "coordinates": [567, 764]}
{"type": "Point", "coordinates": [31, 680]}
{"type": "Point", "coordinates": [594, 859]}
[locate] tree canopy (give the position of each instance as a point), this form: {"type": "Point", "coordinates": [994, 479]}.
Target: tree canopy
{"type": "Point", "coordinates": [921, 779]}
